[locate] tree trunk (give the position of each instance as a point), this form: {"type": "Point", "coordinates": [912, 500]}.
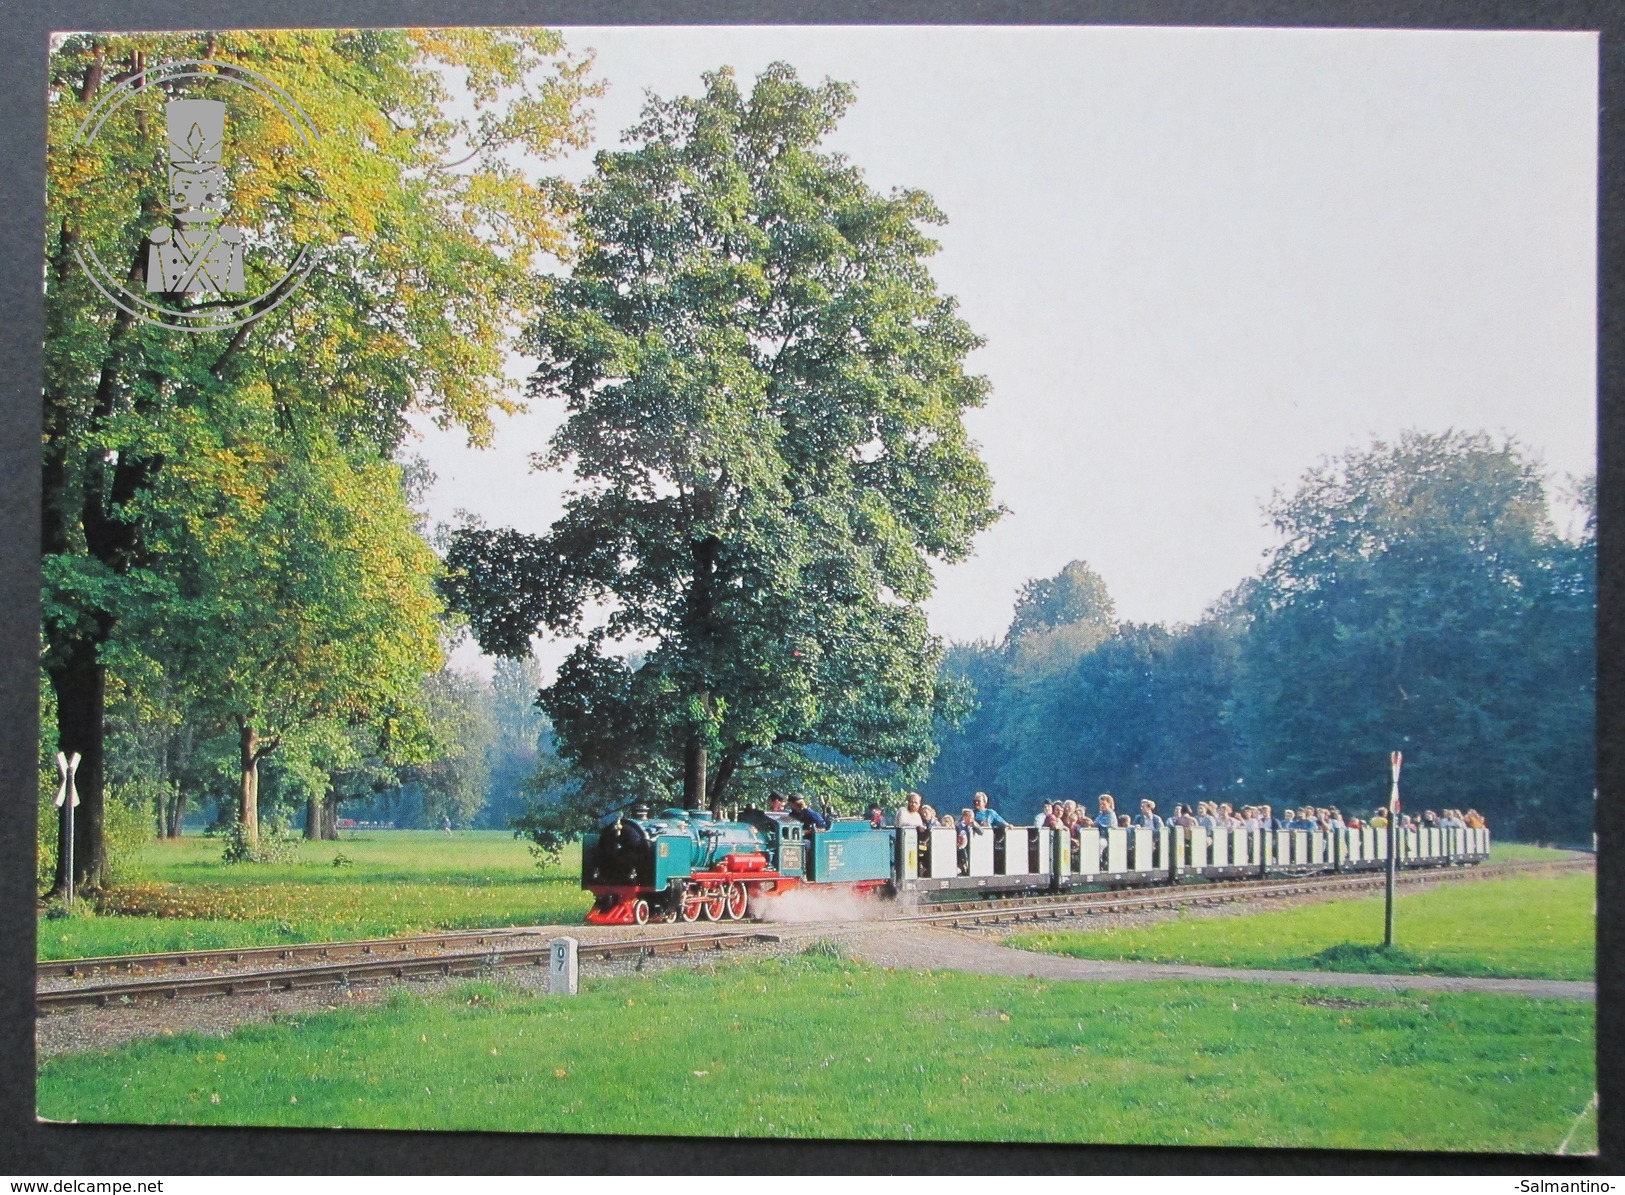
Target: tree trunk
{"type": "Point", "coordinates": [80, 682]}
{"type": "Point", "coordinates": [694, 772]}
{"type": "Point", "coordinates": [160, 796]}
{"type": "Point", "coordinates": [701, 632]}
{"type": "Point", "coordinates": [313, 825]}
{"type": "Point", "coordinates": [330, 817]}
{"type": "Point", "coordinates": [248, 795]}
{"type": "Point", "coordinates": [177, 782]}
{"type": "Point", "coordinates": [724, 774]}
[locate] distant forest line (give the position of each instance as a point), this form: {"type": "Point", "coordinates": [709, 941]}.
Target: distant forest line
{"type": "Point", "coordinates": [1419, 599]}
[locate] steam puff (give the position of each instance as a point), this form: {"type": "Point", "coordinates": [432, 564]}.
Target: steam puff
{"type": "Point", "coordinates": [798, 905]}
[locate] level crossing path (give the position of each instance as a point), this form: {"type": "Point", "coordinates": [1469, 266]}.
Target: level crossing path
{"type": "Point", "coordinates": [948, 950]}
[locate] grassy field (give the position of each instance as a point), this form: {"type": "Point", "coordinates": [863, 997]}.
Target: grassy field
{"type": "Point", "coordinates": [816, 1046]}
{"type": "Point", "coordinates": [397, 881]}
{"type": "Point", "coordinates": [1517, 852]}
{"type": "Point", "coordinates": [1536, 926]}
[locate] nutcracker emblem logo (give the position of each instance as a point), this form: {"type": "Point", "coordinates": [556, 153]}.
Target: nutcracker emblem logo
{"type": "Point", "coordinates": [201, 270]}
{"type": "Point", "coordinates": [197, 255]}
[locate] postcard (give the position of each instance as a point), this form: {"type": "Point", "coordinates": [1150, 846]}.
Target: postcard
{"type": "Point", "coordinates": [958, 584]}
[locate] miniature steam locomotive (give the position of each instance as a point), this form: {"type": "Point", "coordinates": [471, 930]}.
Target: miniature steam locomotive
{"type": "Point", "coordinates": [686, 864]}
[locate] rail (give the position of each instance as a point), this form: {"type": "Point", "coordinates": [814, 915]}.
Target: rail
{"type": "Point", "coordinates": [329, 974]}
{"type": "Point", "coordinates": [79, 982]}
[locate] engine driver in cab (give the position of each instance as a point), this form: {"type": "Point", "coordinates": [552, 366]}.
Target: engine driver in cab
{"type": "Point", "coordinates": [810, 818]}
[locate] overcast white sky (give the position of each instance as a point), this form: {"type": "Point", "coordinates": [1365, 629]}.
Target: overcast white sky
{"type": "Point", "coordinates": [1202, 259]}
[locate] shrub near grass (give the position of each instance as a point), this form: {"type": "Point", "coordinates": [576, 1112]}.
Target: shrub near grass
{"type": "Point", "coordinates": [1527, 926]}
{"type": "Point", "coordinates": [812, 1047]}
{"type": "Point", "coordinates": [396, 882]}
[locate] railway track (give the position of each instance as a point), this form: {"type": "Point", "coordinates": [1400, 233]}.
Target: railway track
{"type": "Point", "coordinates": [120, 980]}
{"type": "Point", "coordinates": [133, 964]}
{"type": "Point", "coordinates": [362, 969]}
{"type": "Point", "coordinates": [993, 910]}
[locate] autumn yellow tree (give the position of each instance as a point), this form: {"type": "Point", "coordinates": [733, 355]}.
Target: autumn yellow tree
{"type": "Point", "coordinates": [424, 235]}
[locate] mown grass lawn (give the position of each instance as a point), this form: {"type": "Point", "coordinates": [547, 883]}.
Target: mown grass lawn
{"type": "Point", "coordinates": [1517, 852]}
{"type": "Point", "coordinates": [821, 1047]}
{"type": "Point", "coordinates": [394, 882]}
{"type": "Point", "coordinates": [1533, 926]}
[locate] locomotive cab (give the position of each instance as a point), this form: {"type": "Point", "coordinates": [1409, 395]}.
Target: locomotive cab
{"type": "Point", "coordinates": [786, 842]}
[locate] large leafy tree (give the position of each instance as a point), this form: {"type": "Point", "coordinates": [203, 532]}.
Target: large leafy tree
{"type": "Point", "coordinates": [1147, 713]}
{"type": "Point", "coordinates": [1074, 703]}
{"type": "Point", "coordinates": [1056, 621]}
{"type": "Point", "coordinates": [523, 738]}
{"type": "Point", "coordinates": [1420, 600]}
{"type": "Point", "coordinates": [765, 393]}
{"type": "Point", "coordinates": [303, 602]}
{"type": "Point", "coordinates": [454, 783]}
{"type": "Point", "coordinates": [428, 236]}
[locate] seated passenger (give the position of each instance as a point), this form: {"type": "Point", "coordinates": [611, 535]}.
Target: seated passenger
{"type": "Point", "coordinates": [967, 823]}
{"type": "Point", "coordinates": [1207, 815]}
{"type": "Point", "coordinates": [911, 815]}
{"type": "Point", "coordinates": [877, 817]}
{"type": "Point", "coordinates": [1106, 819]}
{"type": "Point", "coordinates": [775, 803]}
{"type": "Point", "coordinates": [983, 815]}
{"type": "Point", "coordinates": [1182, 817]}
{"type": "Point", "coordinates": [1124, 822]}
{"type": "Point", "coordinates": [1148, 819]}
{"type": "Point", "coordinates": [1379, 818]}
{"type": "Point", "coordinates": [809, 818]}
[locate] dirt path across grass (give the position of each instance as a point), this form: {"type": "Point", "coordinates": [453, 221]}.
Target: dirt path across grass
{"type": "Point", "coordinates": [940, 949]}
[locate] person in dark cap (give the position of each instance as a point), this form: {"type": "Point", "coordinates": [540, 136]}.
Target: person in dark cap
{"type": "Point", "coordinates": [810, 818]}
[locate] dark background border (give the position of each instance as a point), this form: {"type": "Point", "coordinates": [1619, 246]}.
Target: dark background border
{"type": "Point", "coordinates": [31, 1149]}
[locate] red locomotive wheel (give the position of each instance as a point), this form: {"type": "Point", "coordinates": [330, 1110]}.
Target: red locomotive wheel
{"type": "Point", "coordinates": [738, 901]}
{"type": "Point", "coordinates": [716, 905]}
{"type": "Point", "coordinates": [640, 912]}
{"type": "Point", "coordinates": [690, 909]}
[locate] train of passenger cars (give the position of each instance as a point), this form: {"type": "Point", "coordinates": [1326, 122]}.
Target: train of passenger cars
{"type": "Point", "coordinates": [686, 864]}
